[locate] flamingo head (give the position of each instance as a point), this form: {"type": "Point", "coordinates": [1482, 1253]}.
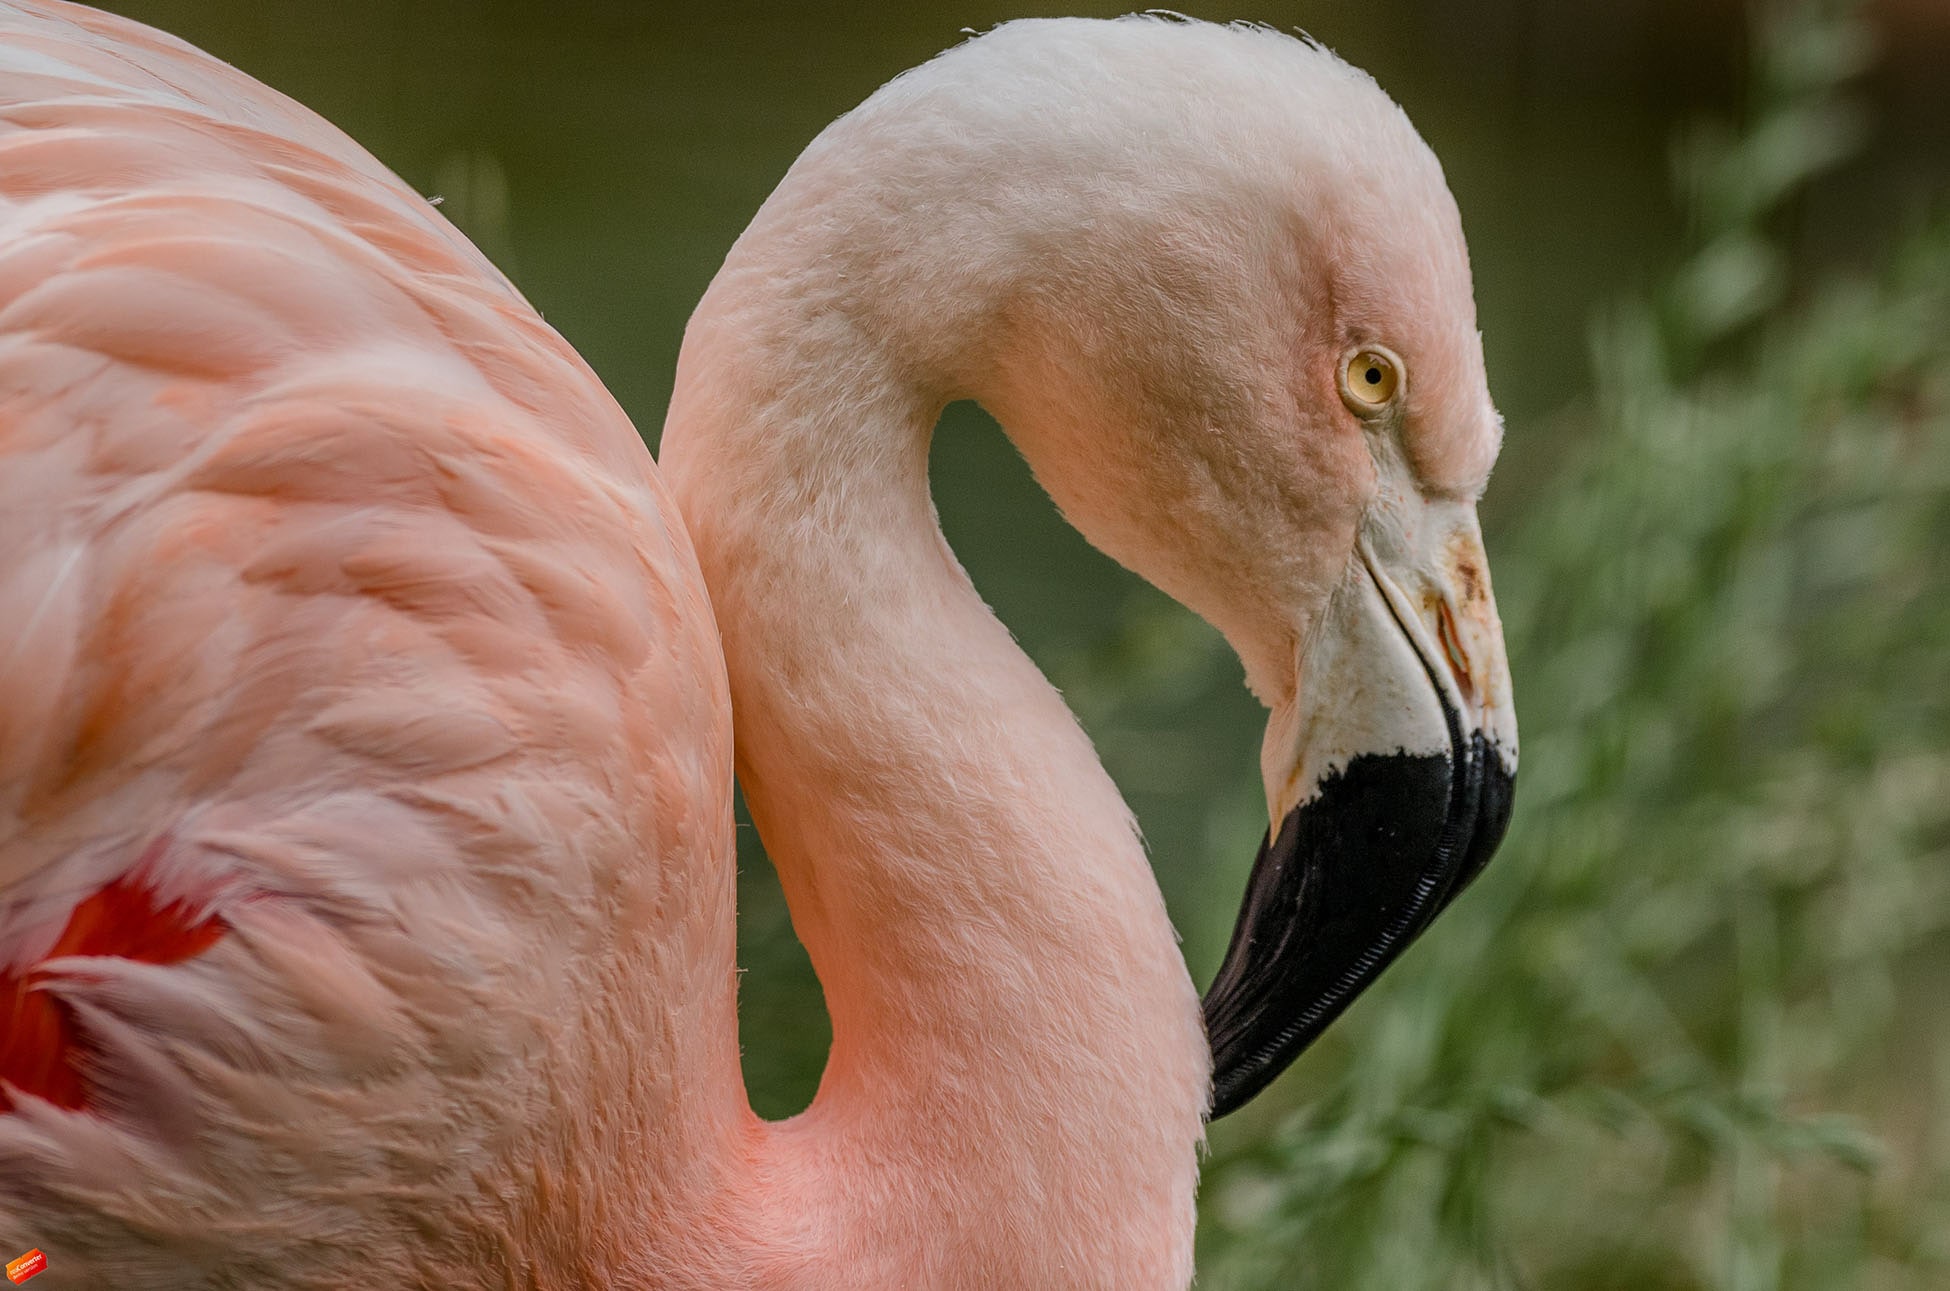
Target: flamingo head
{"type": "Point", "coordinates": [1241, 353]}
{"type": "Point", "coordinates": [1214, 285]}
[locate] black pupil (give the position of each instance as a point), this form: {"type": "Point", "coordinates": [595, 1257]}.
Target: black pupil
{"type": "Point", "coordinates": [1374, 376]}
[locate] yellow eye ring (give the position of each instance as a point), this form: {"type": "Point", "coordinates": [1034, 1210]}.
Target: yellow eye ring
{"type": "Point", "coordinates": [1370, 380]}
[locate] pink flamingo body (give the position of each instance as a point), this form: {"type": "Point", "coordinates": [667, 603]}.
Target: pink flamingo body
{"type": "Point", "coordinates": [366, 729]}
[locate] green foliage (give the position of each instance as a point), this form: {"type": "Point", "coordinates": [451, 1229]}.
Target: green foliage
{"type": "Point", "coordinates": [1686, 1031]}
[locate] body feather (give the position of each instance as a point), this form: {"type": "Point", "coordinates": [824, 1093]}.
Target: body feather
{"type": "Point", "coordinates": [357, 695]}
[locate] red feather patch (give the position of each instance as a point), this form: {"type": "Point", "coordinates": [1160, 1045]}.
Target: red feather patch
{"type": "Point", "coordinates": [39, 1042]}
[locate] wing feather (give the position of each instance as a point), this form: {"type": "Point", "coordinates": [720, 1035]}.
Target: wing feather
{"type": "Point", "coordinates": [364, 743]}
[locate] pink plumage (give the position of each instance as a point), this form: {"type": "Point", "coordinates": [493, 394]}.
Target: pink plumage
{"type": "Point", "coordinates": [329, 560]}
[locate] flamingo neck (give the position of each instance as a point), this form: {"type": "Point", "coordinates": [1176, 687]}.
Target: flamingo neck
{"type": "Point", "coordinates": [1018, 1070]}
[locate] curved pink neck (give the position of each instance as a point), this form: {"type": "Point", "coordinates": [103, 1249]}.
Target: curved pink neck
{"type": "Point", "coordinates": [1018, 1068]}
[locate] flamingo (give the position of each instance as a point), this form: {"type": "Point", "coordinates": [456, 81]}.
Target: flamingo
{"type": "Point", "coordinates": [370, 701]}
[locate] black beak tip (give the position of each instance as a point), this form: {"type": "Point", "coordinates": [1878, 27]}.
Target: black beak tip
{"type": "Point", "coordinates": [1354, 875]}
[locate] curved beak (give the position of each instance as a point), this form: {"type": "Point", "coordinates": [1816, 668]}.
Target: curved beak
{"type": "Point", "coordinates": [1388, 779]}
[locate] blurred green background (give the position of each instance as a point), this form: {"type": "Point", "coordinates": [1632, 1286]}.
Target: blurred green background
{"type": "Point", "coordinates": [1689, 1031]}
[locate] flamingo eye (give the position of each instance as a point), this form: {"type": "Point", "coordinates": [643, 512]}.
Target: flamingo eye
{"type": "Point", "coordinates": [1370, 380]}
